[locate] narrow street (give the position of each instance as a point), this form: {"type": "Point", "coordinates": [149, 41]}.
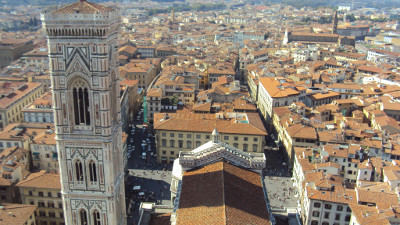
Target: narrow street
{"type": "Point", "coordinates": [147, 181]}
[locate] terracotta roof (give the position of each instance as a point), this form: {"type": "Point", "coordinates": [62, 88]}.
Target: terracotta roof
{"type": "Point", "coordinates": [222, 193]}
{"type": "Point", "coordinates": [16, 214]}
{"type": "Point", "coordinates": [15, 91]}
{"type": "Point", "coordinates": [339, 195]}
{"type": "Point", "coordinates": [42, 180]}
{"type": "Point", "coordinates": [154, 92]}
{"type": "Point", "coordinates": [376, 196]}
{"type": "Point", "coordinates": [205, 107]}
{"type": "Point", "coordinates": [206, 123]}
{"type": "Point", "coordinates": [275, 89]}
{"type": "Point", "coordinates": [368, 215]}
{"type": "Point", "coordinates": [83, 7]}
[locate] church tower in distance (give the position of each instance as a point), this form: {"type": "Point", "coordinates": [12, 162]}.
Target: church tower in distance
{"type": "Point", "coordinates": [335, 23]}
{"type": "Point", "coordinates": [83, 56]}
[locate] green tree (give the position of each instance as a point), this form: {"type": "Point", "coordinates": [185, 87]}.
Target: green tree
{"type": "Point", "coordinates": [351, 18]}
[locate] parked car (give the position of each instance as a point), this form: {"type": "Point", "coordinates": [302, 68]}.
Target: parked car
{"type": "Point", "coordinates": [144, 155]}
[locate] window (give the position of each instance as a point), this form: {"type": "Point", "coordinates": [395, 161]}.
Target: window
{"type": "Point", "coordinates": [163, 142]}
{"type": "Point", "coordinates": [207, 137]}
{"type": "Point", "coordinates": [81, 104]}
{"type": "Point", "coordinates": [171, 143]}
{"type": "Point", "coordinates": [96, 217]}
{"type": "Point", "coordinates": [245, 138]}
{"type": "Point", "coordinates": [40, 194]}
{"type": "Point", "coordinates": [50, 204]}
{"type": "Point", "coordinates": [32, 202]}
{"type": "Point", "coordinates": [189, 136]}
{"type": "Point", "coordinates": [172, 152]}
{"type": "Point", "coordinates": [92, 171]}
{"type": "Point", "coordinates": [348, 209]}
{"type": "Point", "coordinates": [337, 216]}
{"type": "Point", "coordinates": [49, 194]}
{"type": "Point", "coordinates": [164, 152]}
{"type": "Point", "coordinates": [314, 222]}
{"type": "Point", "coordinates": [52, 214]}
{"type": "Point", "coordinates": [78, 170]}
{"type": "Point", "coordinates": [255, 139]}
{"type": "Point", "coordinates": [180, 144]}
{"type": "Point", "coordinates": [235, 138]}
{"type": "Point", "coordinates": [315, 213]}
{"type": "Point", "coordinates": [180, 135]}
{"type": "Point", "coordinates": [236, 145]}
{"type": "Point", "coordinates": [328, 206]}
{"type": "Point", "coordinates": [226, 138]}
{"type": "Point", "coordinates": [163, 134]}
{"type": "Point", "coordinates": [61, 215]}
{"type": "Point", "coordinates": [60, 205]}
{"type": "Point", "coordinates": [339, 208]}
{"type": "Point", "coordinates": [317, 205]}
{"type": "Point", "coordinates": [255, 147]}
{"type": "Point", "coordinates": [326, 215]}
{"type": "Point", "coordinates": [198, 136]}
{"type": "Point", "coordinates": [41, 204]}
{"type": "Point", "coordinates": [347, 218]}
{"type": "Point", "coordinates": [30, 193]}
{"type": "Point", "coordinates": [325, 223]}
{"type": "Point", "coordinates": [83, 217]}
{"type": "Point", "coordinates": [198, 143]}
{"type": "Point", "coordinates": [172, 135]}
{"type": "Point", "coordinates": [245, 147]}
{"type": "Point", "coordinates": [59, 194]}
{"type": "Point", "coordinates": [42, 213]}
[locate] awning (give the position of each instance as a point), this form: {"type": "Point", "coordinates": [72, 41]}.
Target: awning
{"type": "Point", "coordinates": [35, 153]}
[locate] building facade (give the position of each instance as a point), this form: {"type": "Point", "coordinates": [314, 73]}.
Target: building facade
{"type": "Point", "coordinates": [175, 133]}
{"type": "Point", "coordinates": [83, 55]}
{"type": "Point", "coordinates": [15, 96]}
{"type": "Point", "coordinates": [43, 190]}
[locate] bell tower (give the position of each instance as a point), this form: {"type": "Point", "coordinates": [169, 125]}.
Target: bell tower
{"type": "Point", "coordinates": [83, 56]}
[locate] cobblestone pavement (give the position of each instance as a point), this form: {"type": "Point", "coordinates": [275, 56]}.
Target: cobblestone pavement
{"type": "Point", "coordinates": [279, 185]}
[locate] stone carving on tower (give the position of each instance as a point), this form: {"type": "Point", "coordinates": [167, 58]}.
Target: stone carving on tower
{"type": "Point", "coordinates": [83, 57]}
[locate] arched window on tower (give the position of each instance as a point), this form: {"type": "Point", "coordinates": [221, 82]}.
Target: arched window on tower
{"type": "Point", "coordinates": [83, 217]}
{"type": "Point", "coordinates": [92, 172]}
{"type": "Point", "coordinates": [79, 170]}
{"type": "Point", "coordinates": [96, 218]}
{"type": "Point", "coordinates": [81, 106]}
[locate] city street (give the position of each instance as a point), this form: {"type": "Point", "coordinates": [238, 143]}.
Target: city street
{"type": "Point", "coordinates": [147, 181]}
{"type": "Point", "coordinates": [279, 185]}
